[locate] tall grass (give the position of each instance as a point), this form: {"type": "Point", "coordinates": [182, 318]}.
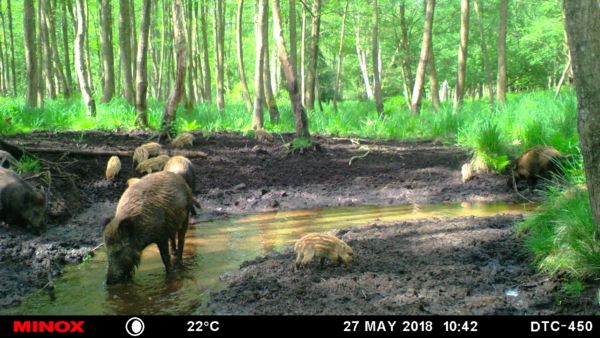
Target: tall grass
{"type": "Point", "coordinates": [564, 238]}
{"type": "Point", "coordinates": [527, 119]}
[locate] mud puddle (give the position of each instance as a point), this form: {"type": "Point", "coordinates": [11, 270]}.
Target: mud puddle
{"type": "Point", "coordinates": [215, 249]}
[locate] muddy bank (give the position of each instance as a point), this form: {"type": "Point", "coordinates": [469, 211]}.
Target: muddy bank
{"type": "Point", "coordinates": [240, 175]}
{"type": "Point", "coordinates": [459, 266]}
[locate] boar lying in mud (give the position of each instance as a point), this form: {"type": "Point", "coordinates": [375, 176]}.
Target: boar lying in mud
{"type": "Point", "coordinates": [153, 210]}
{"type": "Point", "coordinates": [19, 203]}
{"type": "Point", "coordinates": [537, 162]}
{"type": "Point", "coordinates": [152, 164]}
{"type": "Point", "coordinates": [264, 136]}
{"type": "Point", "coordinates": [322, 246]}
{"type": "Point", "coordinates": [183, 140]}
{"type": "Point", "coordinates": [146, 151]}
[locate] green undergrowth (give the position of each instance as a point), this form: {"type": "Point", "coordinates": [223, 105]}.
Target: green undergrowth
{"type": "Point", "coordinates": [527, 119]}
{"type": "Point", "coordinates": [563, 237]}
{"type": "Point", "coordinates": [492, 134]}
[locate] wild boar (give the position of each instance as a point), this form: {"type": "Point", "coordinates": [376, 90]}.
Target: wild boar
{"type": "Point", "coordinates": [264, 136]}
{"type": "Point", "coordinates": [7, 160]}
{"type": "Point", "coordinates": [113, 167]}
{"type": "Point", "coordinates": [146, 151]}
{"type": "Point", "coordinates": [132, 181]}
{"type": "Point", "coordinates": [19, 204]}
{"type": "Point", "coordinates": [152, 164]}
{"type": "Point", "coordinates": [322, 246]}
{"type": "Point", "coordinates": [183, 140]}
{"type": "Point", "coordinates": [537, 162]}
{"type": "Point", "coordinates": [154, 210]}
{"type": "Point", "coordinates": [467, 172]}
{"type": "Point", "coordinates": [182, 166]}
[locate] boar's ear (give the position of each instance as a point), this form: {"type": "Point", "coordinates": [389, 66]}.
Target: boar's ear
{"type": "Point", "coordinates": [39, 199]}
{"type": "Point", "coordinates": [105, 222]}
{"type": "Point", "coordinates": [126, 226]}
{"type": "Point", "coordinates": [35, 198]}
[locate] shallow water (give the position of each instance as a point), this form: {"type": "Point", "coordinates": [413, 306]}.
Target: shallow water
{"type": "Point", "coordinates": [213, 248]}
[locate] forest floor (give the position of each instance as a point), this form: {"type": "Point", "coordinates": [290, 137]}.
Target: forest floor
{"type": "Point", "coordinates": [451, 266]}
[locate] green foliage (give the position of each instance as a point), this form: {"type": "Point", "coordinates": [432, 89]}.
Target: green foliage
{"type": "Point", "coordinates": [573, 288]}
{"type": "Point", "coordinates": [564, 238]}
{"type": "Point", "coordinates": [301, 143]}
{"type": "Point", "coordinates": [28, 165]}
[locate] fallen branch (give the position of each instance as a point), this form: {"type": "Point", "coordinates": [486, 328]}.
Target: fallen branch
{"type": "Point", "coordinates": [360, 156]}
{"type": "Point", "coordinates": [102, 152]}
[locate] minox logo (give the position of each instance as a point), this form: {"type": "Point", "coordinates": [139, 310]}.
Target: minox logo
{"type": "Point", "coordinates": [59, 326]}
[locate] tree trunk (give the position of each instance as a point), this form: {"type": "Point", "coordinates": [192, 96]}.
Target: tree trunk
{"type": "Point", "coordinates": [375, 59]}
{"type": "Point", "coordinates": [318, 94]}
{"type": "Point", "coordinates": [569, 70]}
{"type": "Point", "coordinates": [417, 94]}
{"type": "Point", "coordinates": [66, 49]}
{"type": "Point", "coordinates": [88, 59]}
{"type": "Point", "coordinates": [141, 75]}
{"type": "Point", "coordinates": [406, 59]}
{"type": "Point", "coordinates": [30, 53]}
{"type": "Point", "coordinates": [433, 83]}
{"type": "Point", "coordinates": [240, 56]}
{"type": "Point", "coordinates": [163, 35]}
{"type": "Point", "coordinates": [207, 90]}
{"type": "Point", "coordinates": [219, 44]}
{"type": "Point", "coordinates": [125, 50]}
{"type": "Point", "coordinates": [106, 42]}
{"type": "Point", "coordinates": [4, 58]}
{"type": "Point", "coordinates": [501, 81]}
{"type": "Point", "coordinates": [362, 62]}
{"type": "Point", "coordinates": [340, 58]}
{"type": "Point", "coordinates": [484, 53]}
{"type": "Point", "coordinates": [583, 25]}
{"type": "Point", "coordinates": [269, 98]}
{"type": "Point", "coordinates": [12, 47]}
{"type": "Point", "coordinates": [196, 54]}
{"type": "Point", "coordinates": [303, 57]}
{"type": "Point", "coordinates": [313, 55]}
{"type": "Point", "coordinates": [562, 77]}
{"type": "Point", "coordinates": [177, 94]}
{"type": "Point", "coordinates": [80, 69]}
{"type": "Point", "coordinates": [133, 40]}
{"type": "Point", "coordinates": [261, 16]}
{"type": "Point", "coordinates": [58, 67]}
{"type": "Point", "coordinates": [40, 53]}
{"type": "Point", "coordinates": [300, 118]}
{"type": "Point", "coordinates": [292, 22]}
{"type": "Point", "coordinates": [190, 97]}
{"type": "Point", "coordinates": [462, 53]}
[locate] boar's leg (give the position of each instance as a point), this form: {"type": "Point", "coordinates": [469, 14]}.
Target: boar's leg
{"type": "Point", "coordinates": [173, 245]}
{"type": "Point", "coordinates": [163, 247]}
{"type": "Point", "coordinates": [181, 241]}
{"type": "Point", "coordinates": [299, 258]}
{"type": "Point", "coordinates": [531, 182]}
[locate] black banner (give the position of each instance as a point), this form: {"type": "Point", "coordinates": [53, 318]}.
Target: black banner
{"type": "Point", "coordinates": [336, 326]}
